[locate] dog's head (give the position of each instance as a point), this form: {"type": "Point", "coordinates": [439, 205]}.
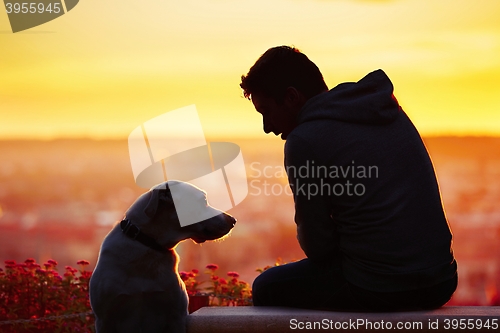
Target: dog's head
{"type": "Point", "coordinates": [155, 214]}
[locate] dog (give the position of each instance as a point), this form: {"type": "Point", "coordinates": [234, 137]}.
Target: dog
{"type": "Point", "coordinates": [135, 286]}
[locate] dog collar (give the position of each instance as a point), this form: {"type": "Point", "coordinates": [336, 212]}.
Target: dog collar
{"type": "Point", "coordinates": [132, 231]}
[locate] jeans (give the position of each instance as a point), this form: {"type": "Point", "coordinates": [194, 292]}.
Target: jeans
{"type": "Point", "coordinates": [309, 285]}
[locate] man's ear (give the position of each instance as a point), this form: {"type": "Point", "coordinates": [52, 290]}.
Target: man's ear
{"type": "Point", "coordinates": [292, 96]}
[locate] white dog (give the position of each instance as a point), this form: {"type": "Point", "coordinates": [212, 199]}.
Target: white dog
{"type": "Point", "coordinates": [135, 286]}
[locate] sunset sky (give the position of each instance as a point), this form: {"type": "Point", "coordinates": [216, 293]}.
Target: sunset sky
{"type": "Point", "coordinates": [105, 67]}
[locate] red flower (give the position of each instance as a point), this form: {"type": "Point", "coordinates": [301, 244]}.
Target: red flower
{"type": "Point", "coordinates": [52, 262]}
{"type": "Point", "coordinates": [184, 276]}
{"type": "Point", "coordinates": [233, 274]}
{"type": "Point", "coordinates": [32, 265]}
{"type": "Point", "coordinates": [82, 262]}
{"type": "Point", "coordinates": [212, 267]}
{"type": "Point", "coordinates": [70, 270]}
{"type": "Point", "coordinates": [86, 275]}
{"type": "Point", "coordinates": [30, 261]}
{"type": "Point", "coordinates": [195, 271]}
{"type": "Point", "coordinates": [222, 281]}
{"type": "Point", "coordinates": [214, 277]}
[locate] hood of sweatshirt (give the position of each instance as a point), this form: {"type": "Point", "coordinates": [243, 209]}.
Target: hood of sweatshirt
{"type": "Point", "coordinates": [368, 101]}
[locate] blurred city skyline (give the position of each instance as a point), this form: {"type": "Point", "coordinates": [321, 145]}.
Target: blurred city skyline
{"type": "Point", "coordinates": [58, 200]}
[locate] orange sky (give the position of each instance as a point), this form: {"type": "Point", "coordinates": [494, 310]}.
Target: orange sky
{"type": "Point", "coordinates": [106, 67]}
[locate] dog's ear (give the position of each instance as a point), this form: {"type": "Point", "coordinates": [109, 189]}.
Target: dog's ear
{"type": "Point", "coordinates": [152, 205]}
{"type": "Point", "coordinates": [160, 196]}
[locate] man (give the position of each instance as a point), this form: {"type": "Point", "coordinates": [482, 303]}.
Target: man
{"type": "Point", "coordinates": [367, 204]}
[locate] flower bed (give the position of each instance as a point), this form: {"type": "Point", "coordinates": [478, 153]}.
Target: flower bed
{"type": "Point", "coordinates": [30, 294]}
{"type": "Point", "coordinates": [221, 291]}
{"type": "Point", "coordinates": [38, 299]}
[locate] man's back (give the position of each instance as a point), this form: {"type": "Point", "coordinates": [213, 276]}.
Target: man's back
{"type": "Point", "coordinates": [376, 196]}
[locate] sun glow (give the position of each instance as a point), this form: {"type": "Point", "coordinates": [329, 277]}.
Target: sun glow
{"type": "Point", "coordinates": [102, 69]}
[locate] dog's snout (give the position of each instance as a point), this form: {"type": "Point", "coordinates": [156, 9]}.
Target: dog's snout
{"type": "Point", "coordinates": [231, 220]}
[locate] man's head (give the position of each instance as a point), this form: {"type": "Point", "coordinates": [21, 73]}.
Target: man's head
{"type": "Point", "coordinates": [279, 84]}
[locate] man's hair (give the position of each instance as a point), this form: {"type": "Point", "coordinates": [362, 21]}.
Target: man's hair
{"type": "Point", "coordinates": [281, 67]}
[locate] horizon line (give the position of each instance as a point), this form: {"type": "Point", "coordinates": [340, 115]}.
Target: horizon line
{"type": "Point", "coordinates": [223, 137]}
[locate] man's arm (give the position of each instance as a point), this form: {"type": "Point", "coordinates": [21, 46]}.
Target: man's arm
{"type": "Point", "coordinates": [316, 231]}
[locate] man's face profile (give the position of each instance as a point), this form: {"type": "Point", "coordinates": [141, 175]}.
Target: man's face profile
{"type": "Point", "coordinates": [276, 118]}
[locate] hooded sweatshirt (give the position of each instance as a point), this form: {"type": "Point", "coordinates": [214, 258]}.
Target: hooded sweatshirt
{"type": "Point", "coordinates": [365, 190]}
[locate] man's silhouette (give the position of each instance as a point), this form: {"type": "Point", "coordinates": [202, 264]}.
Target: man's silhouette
{"type": "Point", "coordinates": [367, 204]}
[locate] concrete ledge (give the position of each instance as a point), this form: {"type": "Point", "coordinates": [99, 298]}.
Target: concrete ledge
{"type": "Point", "coordinates": [273, 319]}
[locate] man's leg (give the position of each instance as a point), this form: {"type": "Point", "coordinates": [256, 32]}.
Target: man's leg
{"type": "Point", "coordinates": [421, 299]}
{"type": "Point", "coordinates": [303, 284]}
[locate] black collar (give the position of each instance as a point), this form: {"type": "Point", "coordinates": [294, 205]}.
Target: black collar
{"type": "Point", "coordinates": [133, 231]}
